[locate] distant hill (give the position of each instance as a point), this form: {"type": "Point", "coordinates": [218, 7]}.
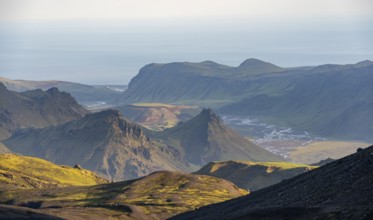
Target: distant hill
{"type": "Point", "coordinates": [156, 196]}
{"type": "Point", "coordinates": [20, 172]}
{"type": "Point", "coordinates": [205, 138]}
{"type": "Point", "coordinates": [254, 175]}
{"type": "Point", "coordinates": [338, 190]}
{"type": "Point", "coordinates": [35, 109]}
{"type": "Point", "coordinates": [103, 142]}
{"type": "Point", "coordinates": [82, 93]}
{"type": "Point", "coordinates": [190, 83]}
{"type": "Point", "coordinates": [334, 101]}
{"type": "Point", "coordinates": [158, 116]}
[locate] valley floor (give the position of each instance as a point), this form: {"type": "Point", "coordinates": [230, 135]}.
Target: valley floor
{"type": "Point", "coordinates": [321, 150]}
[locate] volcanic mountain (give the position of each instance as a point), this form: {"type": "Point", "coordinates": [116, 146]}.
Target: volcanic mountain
{"type": "Point", "coordinates": [341, 189]}
{"type": "Point", "coordinates": [205, 138]}
{"type": "Point", "coordinates": [103, 142]}
{"type": "Point", "coordinates": [253, 175]}
{"type": "Point", "coordinates": [36, 109]}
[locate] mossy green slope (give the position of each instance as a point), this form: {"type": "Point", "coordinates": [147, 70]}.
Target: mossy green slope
{"type": "Point", "coordinates": [30, 172]}
{"type": "Point", "coordinates": [157, 196]}
{"type": "Point", "coordinates": [254, 175]}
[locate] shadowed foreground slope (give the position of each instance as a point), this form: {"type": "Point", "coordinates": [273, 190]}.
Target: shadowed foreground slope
{"type": "Point", "coordinates": [342, 189]}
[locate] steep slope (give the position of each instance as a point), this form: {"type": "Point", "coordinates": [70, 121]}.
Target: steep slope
{"type": "Point", "coordinates": [333, 101]}
{"type": "Point", "coordinates": [103, 142]}
{"type": "Point", "coordinates": [253, 175]}
{"type": "Point", "coordinates": [35, 109]}
{"type": "Point", "coordinates": [205, 138]}
{"type": "Point", "coordinates": [193, 82]}
{"type": "Point", "coordinates": [156, 196]}
{"type": "Point", "coordinates": [82, 93]}
{"type": "Point", "coordinates": [158, 116]}
{"type": "Point", "coordinates": [338, 190]}
{"type": "Point", "coordinates": [28, 172]}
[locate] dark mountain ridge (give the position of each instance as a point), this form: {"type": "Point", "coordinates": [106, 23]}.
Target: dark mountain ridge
{"type": "Point", "coordinates": [338, 190]}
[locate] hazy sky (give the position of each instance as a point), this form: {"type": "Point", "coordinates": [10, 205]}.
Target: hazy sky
{"type": "Point", "coordinates": [107, 41]}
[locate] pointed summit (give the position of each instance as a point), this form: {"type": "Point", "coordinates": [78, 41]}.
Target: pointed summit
{"type": "Point", "coordinates": [206, 138]}
{"type": "Point", "coordinates": [254, 66]}
{"type": "Point", "coordinates": [208, 116]}
{"type": "Point", "coordinates": [364, 63]}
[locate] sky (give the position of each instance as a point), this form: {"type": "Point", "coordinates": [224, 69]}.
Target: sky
{"type": "Point", "coordinates": [108, 41]}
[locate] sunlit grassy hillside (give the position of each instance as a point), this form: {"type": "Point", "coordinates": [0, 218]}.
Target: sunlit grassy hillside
{"type": "Point", "coordinates": [30, 172]}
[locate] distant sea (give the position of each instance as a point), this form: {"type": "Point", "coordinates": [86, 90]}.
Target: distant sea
{"type": "Point", "coordinates": [114, 55]}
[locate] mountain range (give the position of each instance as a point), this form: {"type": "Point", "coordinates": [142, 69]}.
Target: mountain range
{"type": "Point", "coordinates": [35, 108]}
{"type": "Point", "coordinates": [105, 142]}
{"type": "Point", "coordinates": [328, 100]}
{"type": "Point", "coordinates": [341, 189]}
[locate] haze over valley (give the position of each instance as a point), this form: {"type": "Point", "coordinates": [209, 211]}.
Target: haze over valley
{"type": "Point", "coordinates": [166, 109]}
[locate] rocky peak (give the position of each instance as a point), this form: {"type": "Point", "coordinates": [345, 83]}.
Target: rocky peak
{"type": "Point", "coordinates": [364, 63]}
{"type": "Point", "coordinates": [209, 116]}
{"type": "Point", "coordinates": [255, 66]}
{"type": "Point", "coordinates": [119, 126]}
